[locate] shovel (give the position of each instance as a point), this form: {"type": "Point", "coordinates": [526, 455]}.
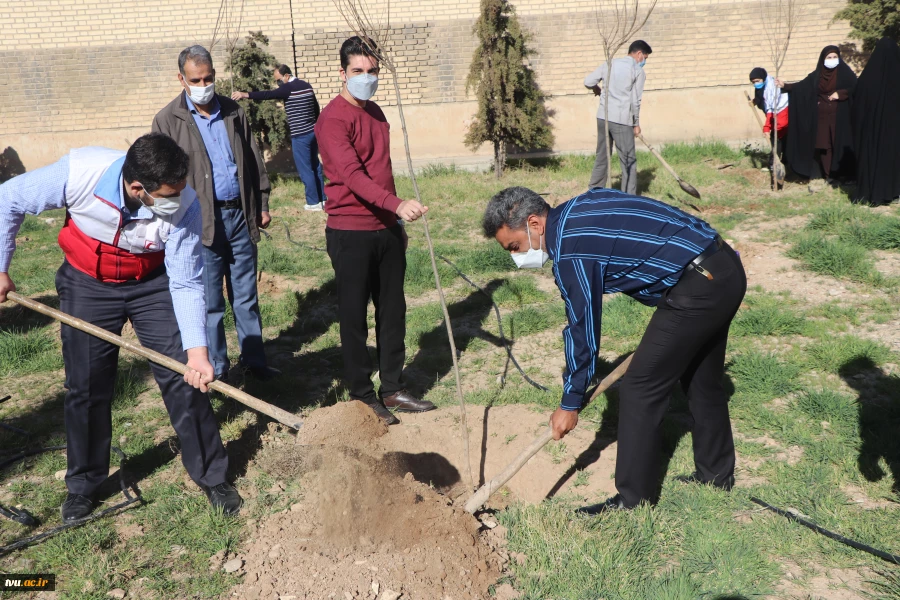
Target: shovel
{"type": "Point", "coordinates": [780, 173]}
{"type": "Point", "coordinates": [688, 188]}
{"type": "Point", "coordinates": [482, 494]}
{"type": "Point", "coordinates": [279, 414]}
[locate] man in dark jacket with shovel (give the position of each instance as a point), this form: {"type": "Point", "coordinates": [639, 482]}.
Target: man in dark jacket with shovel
{"type": "Point", "coordinates": [603, 242]}
{"type": "Point", "coordinates": [132, 253]}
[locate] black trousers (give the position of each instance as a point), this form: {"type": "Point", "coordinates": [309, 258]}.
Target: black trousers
{"type": "Point", "coordinates": [684, 342]}
{"type": "Point", "coordinates": [91, 366]}
{"type": "Point", "coordinates": [370, 264]}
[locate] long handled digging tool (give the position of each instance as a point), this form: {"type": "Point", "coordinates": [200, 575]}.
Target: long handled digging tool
{"type": "Point", "coordinates": [779, 167]}
{"type": "Point", "coordinates": [758, 118]}
{"type": "Point", "coordinates": [484, 492]}
{"type": "Point", "coordinates": [688, 188]}
{"type": "Point", "coordinates": [279, 414]}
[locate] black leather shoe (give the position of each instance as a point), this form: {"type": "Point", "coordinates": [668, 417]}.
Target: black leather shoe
{"type": "Point", "coordinates": [613, 503]}
{"type": "Point", "coordinates": [383, 413]}
{"type": "Point", "coordinates": [403, 401]}
{"type": "Point", "coordinates": [695, 478]}
{"type": "Point", "coordinates": [76, 507]}
{"type": "Point", "coordinates": [264, 373]}
{"type": "Point", "coordinates": [224, 496]}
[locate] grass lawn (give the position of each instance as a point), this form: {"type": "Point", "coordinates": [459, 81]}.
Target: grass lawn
{"type": "Point", "coordinates": [812, 362]}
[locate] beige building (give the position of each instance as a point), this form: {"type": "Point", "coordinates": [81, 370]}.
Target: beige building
{"type": "Point", "coordinates": [94, 72]}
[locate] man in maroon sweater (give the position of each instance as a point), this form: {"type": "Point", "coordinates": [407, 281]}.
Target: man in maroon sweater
{"type": "Point", "coordinates": [365, 240]}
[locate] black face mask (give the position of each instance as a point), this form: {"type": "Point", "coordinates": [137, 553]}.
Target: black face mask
{"type": "Point", "coordinates": [279, 82]}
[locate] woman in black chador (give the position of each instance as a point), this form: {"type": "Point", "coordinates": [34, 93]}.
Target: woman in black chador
{"type": "Point", "coordinates": [876, 126]}
{"type": "Point", "coordinates": [820, 141]}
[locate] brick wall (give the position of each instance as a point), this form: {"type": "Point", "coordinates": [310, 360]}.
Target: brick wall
{"type": "Point", "coordinates": [696, 44]}
{"type": "Point", "coordinates": [73, 65]}
{"type": "Point", "coordinates": [75, 72]}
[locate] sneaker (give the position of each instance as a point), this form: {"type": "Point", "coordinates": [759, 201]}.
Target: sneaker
{"type": "Point", "coordinates": [314, 207]}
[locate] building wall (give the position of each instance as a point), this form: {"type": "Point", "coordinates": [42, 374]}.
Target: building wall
{"type": "Point", "coordinates": [78, 72]}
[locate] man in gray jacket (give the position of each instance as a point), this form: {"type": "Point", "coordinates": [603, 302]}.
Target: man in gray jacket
{"type": "Point", "coordinates": [229, 175]}
{"type": "Point", "coordinates": [624, 88]}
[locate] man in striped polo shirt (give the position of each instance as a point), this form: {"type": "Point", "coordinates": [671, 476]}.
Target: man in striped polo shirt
{"type": "Point", "coordinates": [606, 241]}
{"type": "Point", "coordinates": [302, 110]}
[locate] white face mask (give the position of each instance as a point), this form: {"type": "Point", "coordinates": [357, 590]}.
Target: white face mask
{"type": "Point", "coordinates": [831, 63]}
{"type": "Point", "coordinates": [362, 87]}
{"type": "Point", "coordinates": [202, 95]}
{"type": "Point", "coordinates": [534, 258]}
{"type": "Point", "coordinates": [162, 206]}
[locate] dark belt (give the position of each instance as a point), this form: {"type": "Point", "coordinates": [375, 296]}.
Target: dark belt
{"type": "Point", "coordinates": [694, 265]}
{"type": "Point", "coordinates": [229, 204]}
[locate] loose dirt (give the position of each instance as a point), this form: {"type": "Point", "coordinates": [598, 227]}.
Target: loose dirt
{"type": "Point", "coordinates": [381, 509]}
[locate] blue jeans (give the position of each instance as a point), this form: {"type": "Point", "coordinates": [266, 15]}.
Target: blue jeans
{"type": "Point", "coordinates": [232, 257]}
{"type": "Point", "coordinates": [306, 157]}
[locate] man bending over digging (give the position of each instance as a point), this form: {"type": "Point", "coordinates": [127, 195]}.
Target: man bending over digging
{"type": "Point", "coordinates": [603, 242]}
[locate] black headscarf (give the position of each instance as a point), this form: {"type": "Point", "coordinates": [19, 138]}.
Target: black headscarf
{"type": "Point", "coordinates": [759, 96]}
{"type": "Point", "coordinates": [876, 125]}
{"type": "Point", "coordinates": [803, 116]}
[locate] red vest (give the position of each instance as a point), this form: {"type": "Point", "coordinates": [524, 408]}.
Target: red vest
{"type": "Point", "coordinates": [105, 262]}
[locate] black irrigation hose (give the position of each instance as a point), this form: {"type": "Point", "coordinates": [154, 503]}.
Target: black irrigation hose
{"type": "Point", "coordinates": [505, 341]}
{"type": "Point", "coordinates": [23, 517]}
{"type": "Point", "coordinates": [893, 558]}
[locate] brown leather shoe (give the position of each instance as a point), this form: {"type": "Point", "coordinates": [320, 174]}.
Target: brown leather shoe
{"type": "Point", "coordinates": [403, 401]}
{"type": "Point", "coordinates": [382, 413]}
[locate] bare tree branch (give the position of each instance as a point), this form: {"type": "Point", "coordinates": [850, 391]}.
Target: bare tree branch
{"type": "Point", "coordinates": [779, 18]}
{"type": "Point", "coordinates": [617, 22]}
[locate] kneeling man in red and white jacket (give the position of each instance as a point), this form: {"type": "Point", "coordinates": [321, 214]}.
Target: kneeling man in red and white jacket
{"type": "Point", "coordinates": [132, 249]}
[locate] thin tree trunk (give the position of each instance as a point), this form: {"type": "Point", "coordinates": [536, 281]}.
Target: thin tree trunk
{"type": "Point", "coordinates": [499, 158]}
{"type": "Point", "coordinates": [437, 279]}
{"type": "Point", "coordinates": [776, 160]}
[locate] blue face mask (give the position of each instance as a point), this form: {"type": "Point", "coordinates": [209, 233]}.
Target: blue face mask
{"type": "Point", "coordinates": [642, 63]}
{"type": "Point", "coordinates": [362, 87]}
{"type": "Point", "coordinates": [760, 85]}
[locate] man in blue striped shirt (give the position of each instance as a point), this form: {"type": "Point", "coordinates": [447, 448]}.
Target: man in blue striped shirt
{"type": "Point", "coordinates": [302, 110]}
{"type": "Point", "coordinates": [603, 242]}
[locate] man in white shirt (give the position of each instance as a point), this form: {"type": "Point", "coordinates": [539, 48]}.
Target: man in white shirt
{"type": "Point", "coordinates": [624, 89]}
{"type": "Point", "coordinates": [132, 249]}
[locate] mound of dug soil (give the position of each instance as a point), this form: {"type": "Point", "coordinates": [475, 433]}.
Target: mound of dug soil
{"type": "Point", "coordinates": [365, 527]}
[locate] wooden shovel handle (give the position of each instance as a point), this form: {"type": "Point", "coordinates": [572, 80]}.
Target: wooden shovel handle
{"type": "Point", "coordinates": [482, 494]}
{"type": "Point", "coordinates": [660, 158]}
{"type": "Point", "coordinates": [279, 414]}
{"type": "Point", "coordinates": [758, 118]}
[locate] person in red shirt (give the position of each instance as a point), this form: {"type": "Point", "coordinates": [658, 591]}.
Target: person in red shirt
{"type": "Point", "coordinates": [364, 238]}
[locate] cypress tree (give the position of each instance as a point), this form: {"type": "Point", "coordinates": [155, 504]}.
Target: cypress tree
{"type": "Point", "coordinates": [251, 67]}
{"type": "Point", "coordinates": [511, 107]}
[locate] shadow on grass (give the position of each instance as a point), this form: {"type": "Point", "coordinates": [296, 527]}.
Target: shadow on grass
{"type": "Point", "coordinates": [23, 320]}
{"type": "Point", "coordinates": [677, 423]}
{"type": "Point", "coordinates": [433, 360]}
{"type": "Point", "coordinates": [879, 418]}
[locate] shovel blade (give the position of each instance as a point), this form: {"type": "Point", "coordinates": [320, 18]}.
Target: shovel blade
{"type": "Point", "coordinates": [689, 189]}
